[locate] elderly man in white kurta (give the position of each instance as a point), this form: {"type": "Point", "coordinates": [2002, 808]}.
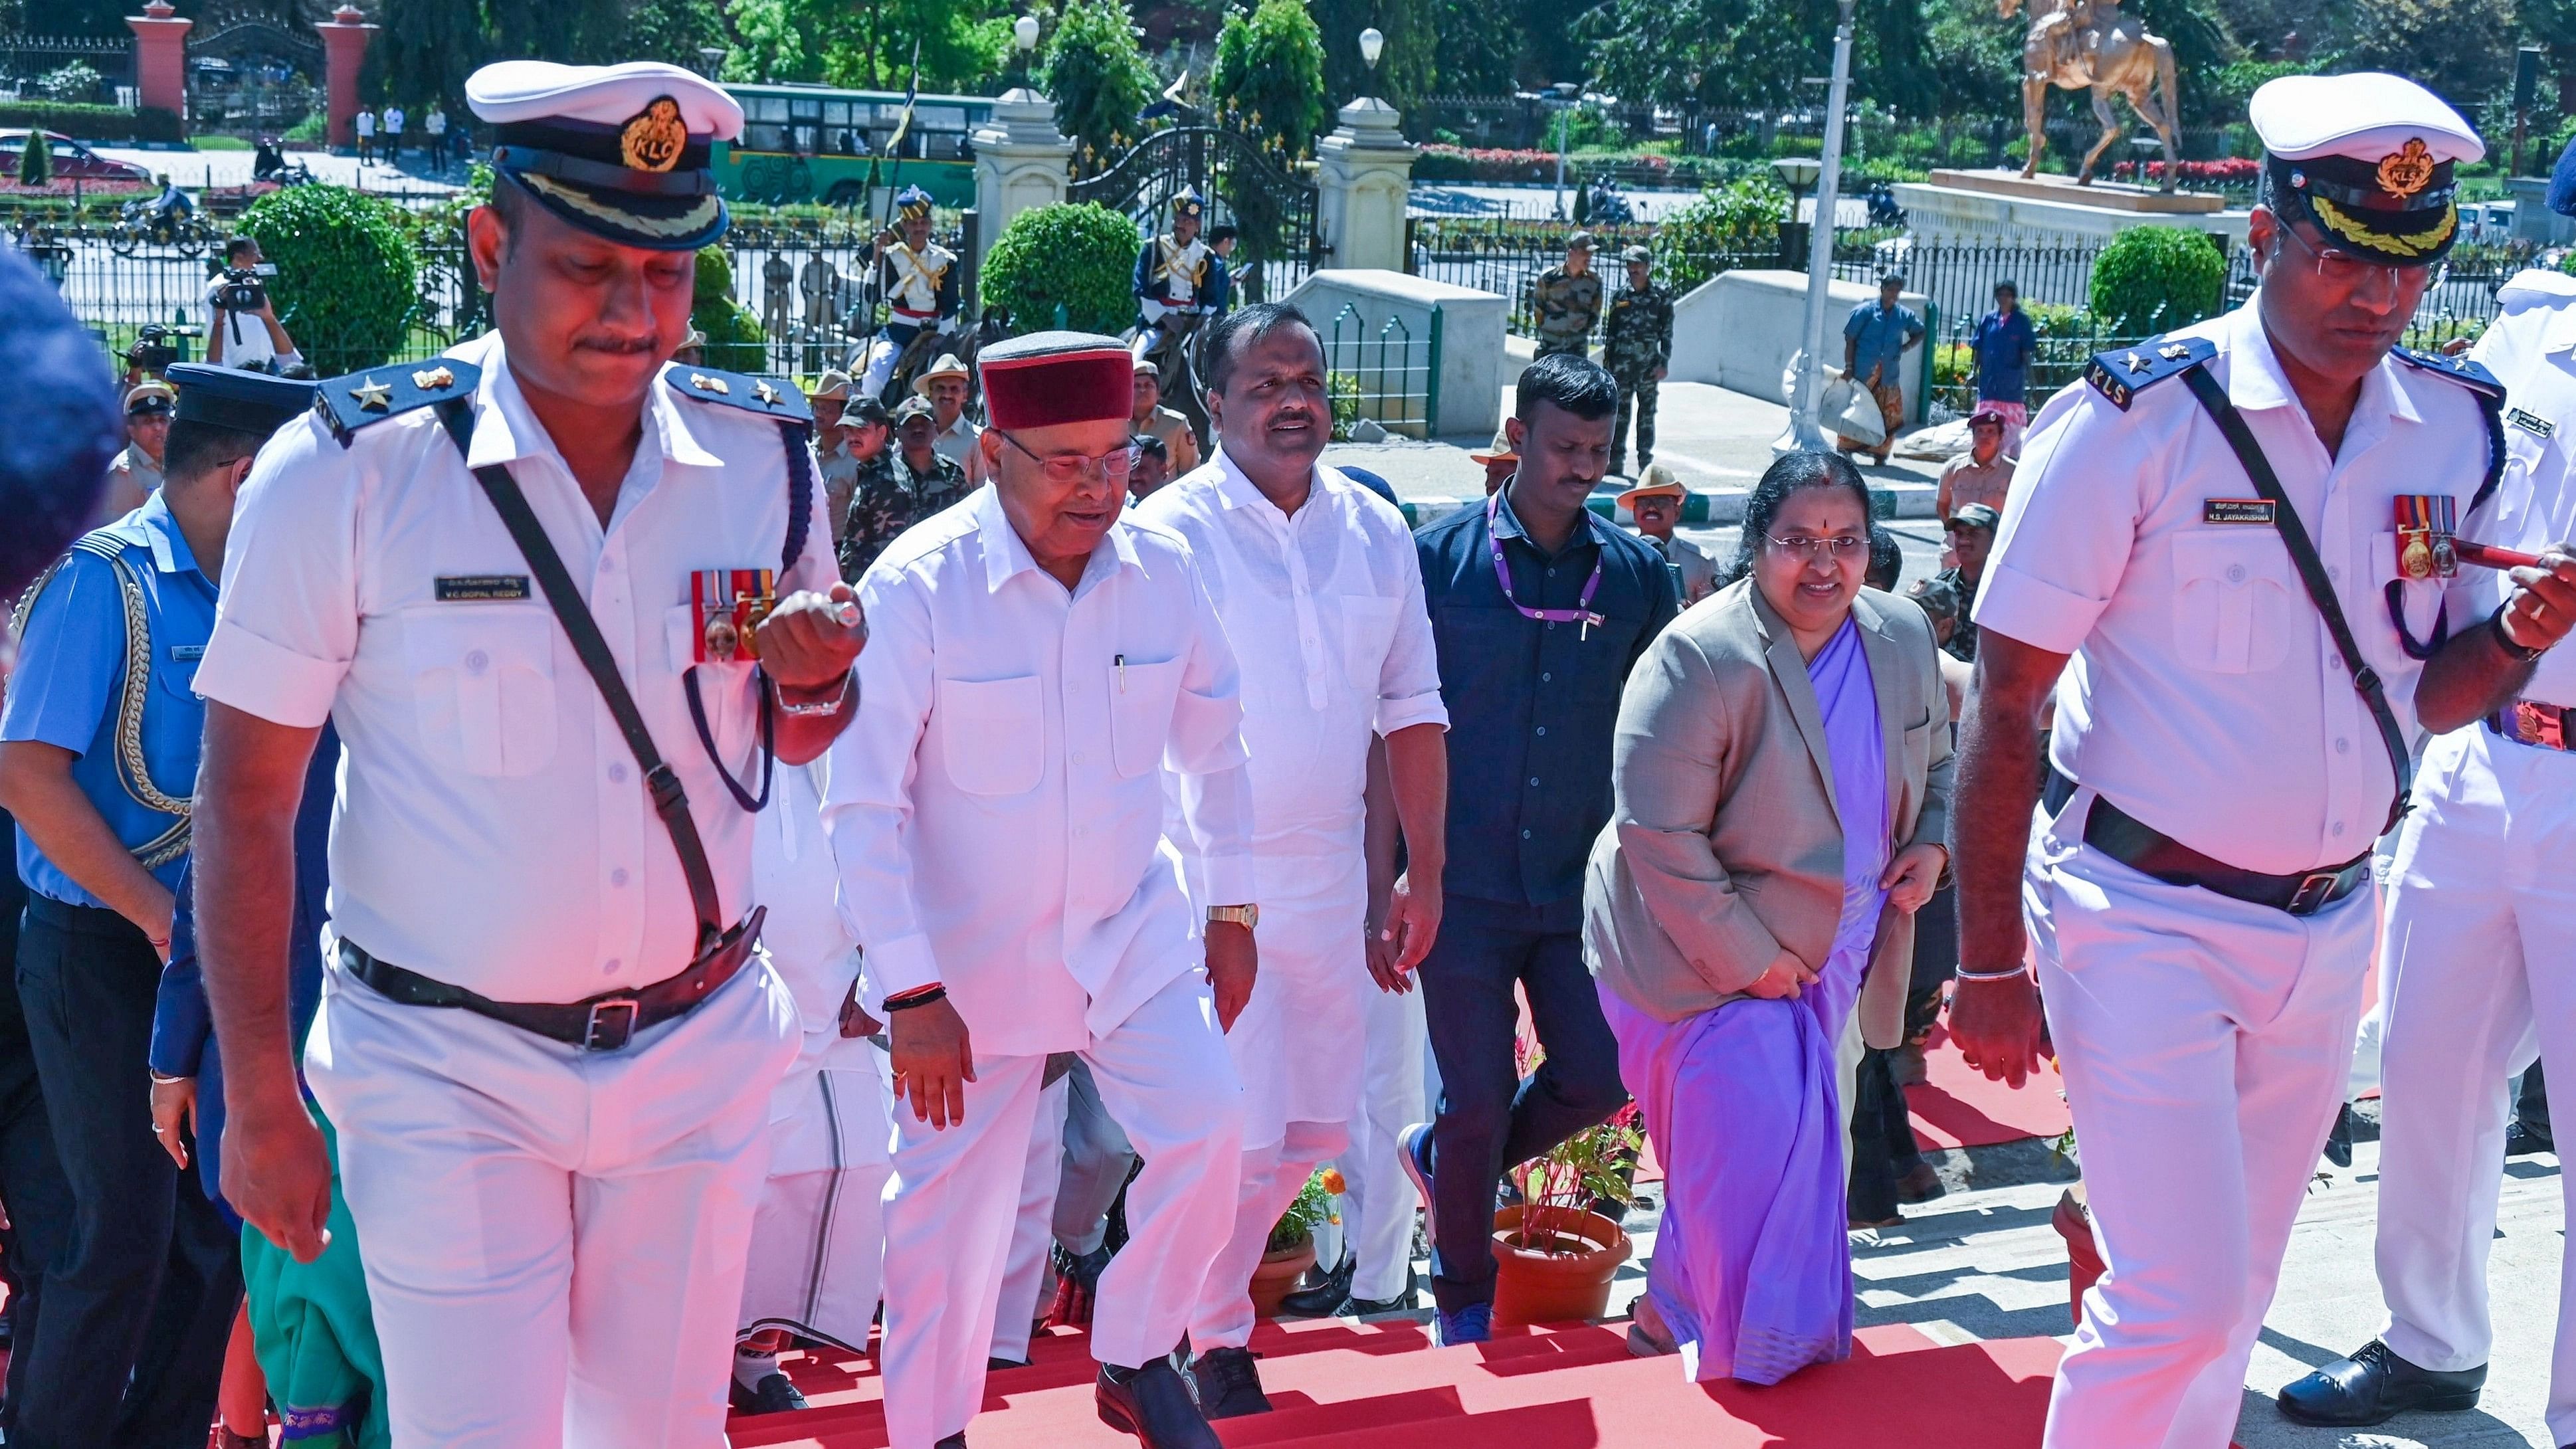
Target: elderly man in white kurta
{"type": "Point", "coordinates": [1320, 589]}
{"type": "Point", "coordinates": [1038, 665]}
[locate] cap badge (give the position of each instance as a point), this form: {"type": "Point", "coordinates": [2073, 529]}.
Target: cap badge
{"type": "Point", "coordinates": [2407, 170]}
{"type": "Point", "coordinates": [373, 396]}
{"type": "Point", "coordinates": [654, 139]}
{"type": "Point", "coordinates": [764, 392]}
{"type": "Point", "coordinates": [432, 379]}
{"type": "Point", "coordinates": [2173, 351]}
{"type": "Point", "coordinates": [704, 383]}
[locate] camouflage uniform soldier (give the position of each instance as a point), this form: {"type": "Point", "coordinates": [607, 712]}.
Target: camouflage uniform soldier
{"type": "Point", "coordinates": [903, 485]}
{"type": "Point", "coordinates": [1636, 346]}
{"type": "Point", "coordinates": [1566, 299]}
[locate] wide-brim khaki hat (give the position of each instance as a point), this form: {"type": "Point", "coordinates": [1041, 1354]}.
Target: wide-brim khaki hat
{"type": "Point", "coordinates": [948, 365]}
{"type": "Point", "coordinates": [1658, 482]}
{"type": "Point", "coordinates": [1499, 449]}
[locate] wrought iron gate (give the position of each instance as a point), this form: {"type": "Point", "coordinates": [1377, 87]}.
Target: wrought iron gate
{"type": "Point", "coordinates": [1271, 202]}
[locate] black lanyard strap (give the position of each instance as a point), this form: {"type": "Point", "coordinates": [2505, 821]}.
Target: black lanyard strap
{"type": "Point", "coordinates": [2312, 574]}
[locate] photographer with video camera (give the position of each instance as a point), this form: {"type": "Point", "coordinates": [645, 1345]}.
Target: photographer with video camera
{"type": "Point", "coordinates": [242, 329]}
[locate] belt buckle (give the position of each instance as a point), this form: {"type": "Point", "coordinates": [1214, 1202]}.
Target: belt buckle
{"type": "Point", "coordinates": [2538, 725]}
{"type": "Point", "coordinates": [2313, 891]}
{"type": "Point", "coordinates": [611, 1024]}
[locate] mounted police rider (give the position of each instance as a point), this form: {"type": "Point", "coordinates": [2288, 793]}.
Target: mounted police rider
{"type": "Point", "coordinates": [1179, 283]}
{"type": "Point", "coordinates": [917, 280]}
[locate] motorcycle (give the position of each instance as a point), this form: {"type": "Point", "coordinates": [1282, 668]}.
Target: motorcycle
{"type": "Point", "coordinates": [143, 222]}
{"type": "Point", "coordinates": [1883, 210]}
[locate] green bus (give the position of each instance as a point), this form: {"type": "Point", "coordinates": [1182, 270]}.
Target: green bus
{"type": "Point", "coordinates": [815, 143]}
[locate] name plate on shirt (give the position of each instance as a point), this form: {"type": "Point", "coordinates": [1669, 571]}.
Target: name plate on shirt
{"type": "Point", "coordinates": [468, 588]}
{"type": "Point", "coordinates": [2236, 510]}
{"type": "Point", "coordinates": [187, 653]}
{"type": "Point", "coordinates": [2532, 423]}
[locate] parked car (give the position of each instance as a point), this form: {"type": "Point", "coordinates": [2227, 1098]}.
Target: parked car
{"type": "Point", "coordinates": [72, 160]}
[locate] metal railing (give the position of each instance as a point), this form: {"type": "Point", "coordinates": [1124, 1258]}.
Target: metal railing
{"type": "Point", "coordinates": [1384, 374]}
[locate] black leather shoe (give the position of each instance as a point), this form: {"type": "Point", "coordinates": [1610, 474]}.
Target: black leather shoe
{"type": "Point", "coordinates": [2339, 1141]}
{"type": "Point", "coordinates": [1400, 1303]}
{"type": "Point", "coordinates": [1327, 1296]}
{"type": "Point", "coordinates": [953, 1441]}
{"type": "Point", "coordinates": [2522, 1140]}
{"type": "Point", "coordinates": [1153, 1403]}
{"type": "Point", "coordinates": [772, 1395]}
{"type": "Point", "coordinates": [2374, 1386]}
{"type": "Point", "coordinates": [1229, 1383]}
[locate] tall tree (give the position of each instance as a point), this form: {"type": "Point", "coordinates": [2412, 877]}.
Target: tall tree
{"type": "Point", "coordinates": [869, 45]}
{"type": "Point", "coordinates": [1418, 59]}
{"type": "Point", "coordinates": [673, 31]}
{"type": "Point", "coordinates": [1098, 78]}
{"type": "Point", "coordinates": [1269, 74]}
{"type": "Point", "coordinates": [2461, 49]}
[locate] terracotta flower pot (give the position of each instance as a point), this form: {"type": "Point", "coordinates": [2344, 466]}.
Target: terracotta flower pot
{"type": "Point", "coordinates": [1531, 1286]}
{"type": "Point", "coordinates": [1276, 1277]}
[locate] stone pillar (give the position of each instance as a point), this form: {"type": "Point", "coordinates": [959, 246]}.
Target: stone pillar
{"type": "Point", "coordinates": [1021, 162]}
{"type": "Point", "coordinates": [161, 58]}
{"type": "Point", "coordinates": [344, 51]}
{"type": "Point", "coordinates": [1363, 171]}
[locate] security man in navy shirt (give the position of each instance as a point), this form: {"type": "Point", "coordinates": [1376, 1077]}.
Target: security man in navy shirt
{"type": "Point", "coordinates": [1539, 609]}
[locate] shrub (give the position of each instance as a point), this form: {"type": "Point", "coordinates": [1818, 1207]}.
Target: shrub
{"type": "Point", "coordinates": [91, 123]}
{"type": "Point", "coordinates": [735, 341]}
{"type": "Point", "coordinates": [36, 161]}
{"type": "Point", "coordinates": [72, 83]}
{"type": "Point", "coordinates": [313, 130]}
{"type": "Point", "coordinates": [1694, 243]}
{"type": "Point", "coordinates": [1082, 258]}
{"type": "Point", "coordinates": [1269, 74]}
{"type": "Point", "coordinates": [2155, 278]}
{"type": "Point", "coordinates": [347, 274]}
{"type": "Point", "coordinates": [1098, 77]}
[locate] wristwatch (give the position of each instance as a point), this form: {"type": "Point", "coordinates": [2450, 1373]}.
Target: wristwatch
{"type": "Point", "coordinates": [1245, 916]}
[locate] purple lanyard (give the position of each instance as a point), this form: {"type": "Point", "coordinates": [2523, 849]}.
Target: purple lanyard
{"type": "Point", "coordinates": [1581, 613]}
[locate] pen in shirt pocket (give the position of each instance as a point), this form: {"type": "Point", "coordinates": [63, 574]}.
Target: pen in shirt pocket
{"type": "Point", "coordinates": [1120, 660]}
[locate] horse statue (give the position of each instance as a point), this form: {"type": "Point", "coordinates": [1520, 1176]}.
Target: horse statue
{"type": "Point", "coordinates": [2092, 45]}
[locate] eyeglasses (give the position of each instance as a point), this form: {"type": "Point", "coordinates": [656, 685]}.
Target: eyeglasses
{"type": "Point", "coordinates": [2349, 269]}
{"type": "Point", "coordinates": [1801, 546]}
{"type": "Point", "coordinates": [1112, 466]}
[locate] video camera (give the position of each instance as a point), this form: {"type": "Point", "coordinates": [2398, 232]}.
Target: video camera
{"type": "Point", "coordinates": [151, 349]}
{"type": "Point", "coordinates": [242, 290]}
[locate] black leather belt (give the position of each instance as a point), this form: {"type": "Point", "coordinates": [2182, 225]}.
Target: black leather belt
{"type": "Point", "coordinates": [2151, 852]}
{"type": "Point", "coordinates": [603, 1023]}
{"type": "Point", "coordinates": [2542, 726]}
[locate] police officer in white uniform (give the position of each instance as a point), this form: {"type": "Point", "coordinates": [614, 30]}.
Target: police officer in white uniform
{"type": "Point", "coordinates": [529, 581]}
{"type": "Point", "coordinates": [1039, 665]}
{"type": "Point", "coordinates": [2473, 959]}
{"type": "Point", "coordinates": [2202, 537]}
{"type": "Point", "coordinates": [1320, 589]}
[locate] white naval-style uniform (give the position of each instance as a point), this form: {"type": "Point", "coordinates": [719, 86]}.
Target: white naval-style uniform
{"type": "Point", "coordinates": [2204, 1040]}
{"type": "Point", "coordinates": [997, 814]}
{"type": "Point", "coordinates": [818, 1241]}
{"type": "Point", "coordinates": [913, 282]}
{"type": "Point", "coordinates": [2474, 970]}
{"type": "Point", "coordinates": [1324, 610]}
{"type": "Point", "coordinates": [554, 1237]}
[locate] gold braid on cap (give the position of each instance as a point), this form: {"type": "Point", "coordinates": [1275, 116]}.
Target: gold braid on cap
{"type": "Point", "coordinates": [686, 222]}
{"type": "Point", "coordinates": [2404, 244]}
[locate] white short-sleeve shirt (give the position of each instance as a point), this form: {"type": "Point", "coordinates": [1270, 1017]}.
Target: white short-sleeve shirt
{"type": "Point", "coordinates": [1324, 610]}
{"type": "Point", "coordinates": [2205, 697]}
{"type": "Point", "coordinates": [492, 829]}
{"type": "Point", "coordinates": [2531, 348]}
{"type": "Point", "coordinates": [997, 807]}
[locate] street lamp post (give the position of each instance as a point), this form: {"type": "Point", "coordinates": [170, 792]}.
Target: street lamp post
{"type": "Point", "coordinates": [1802, 433]}
{"type": "Point", "coordinates": [1024, 39]}
{"type": "Point", "coordinates": [713, 58]}
{"type": "Point", "coordinates": [1372, 45]}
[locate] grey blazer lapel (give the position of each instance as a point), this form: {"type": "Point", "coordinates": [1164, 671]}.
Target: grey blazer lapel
{"type": "Point", "coordinates": [1790, 668]}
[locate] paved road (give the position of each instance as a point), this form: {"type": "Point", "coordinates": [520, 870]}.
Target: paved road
{"type": "Point", "coordinates": [195, 169]}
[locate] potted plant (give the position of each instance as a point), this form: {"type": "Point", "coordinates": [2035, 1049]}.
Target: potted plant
{"type": "Point", "coordinates": [1292, 1242]}
{"type": "Point", "coordinates": [1555, 1256]}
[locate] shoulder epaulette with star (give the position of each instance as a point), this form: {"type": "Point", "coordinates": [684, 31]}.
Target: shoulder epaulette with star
{"type": "Point", "coordinates": [2459, 369]}
{"type": "Point", "coordinates": [350, 403]}
{"type": "Point", "coordinates": [2121, 373]}
{"type": "Point", "coordinates": [768, 396]}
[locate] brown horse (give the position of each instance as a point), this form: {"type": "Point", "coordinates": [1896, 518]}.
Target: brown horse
{"type": "Point", "coordinates": [2092, 45]}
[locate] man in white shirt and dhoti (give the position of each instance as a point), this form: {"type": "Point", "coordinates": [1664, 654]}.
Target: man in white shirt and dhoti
{"type": "Point", "coordinates": [1039, 666]}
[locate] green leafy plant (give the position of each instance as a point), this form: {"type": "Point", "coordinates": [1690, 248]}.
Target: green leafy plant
{"type": "Point", "coordinates": [1269, 74]}
{"type": "Point", "coordinates": [735, 341]}
{"type": "Point", "coordinates": [1559, 1188]}
{"type": "Point", "coordinates": [2153, 279]}
{"type": "Point", "coordinates": [1313, 1208]}
{"type": "Point", "coordinates": [1099, 79]}
{"type": "Point", "coordinates": [36, 161]}
{"type": "Point", "coordinates": [73, 83]}
{"type": "Point", "coordinates": [1082, 258]}
{"type": "Point", "coordinates": [313, 130]}
{"type": "Point", "coordinates": [1344, 390]}
{"type": "Point", "coordinates": [1738, 219]}
{"type": "Point", "coordinates": [347, 273]}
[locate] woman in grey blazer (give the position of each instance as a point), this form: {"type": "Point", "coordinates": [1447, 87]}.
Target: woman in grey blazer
{"type": "Point", "coordinates": [1782, 772]}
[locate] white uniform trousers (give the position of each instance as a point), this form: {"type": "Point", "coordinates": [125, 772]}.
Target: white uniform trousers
{"type": "Point", "coordinates": [1164, 1074]}
{"type": "Point", "coordinates": [2477, 976]}
{"type": "Point", "coordinates": [2204, 1043]}
{"type": "Point", "coordinates": [554, 1238]}
{"type": "Point", "coordinates": [1027, 1287]}
{"type": "Point", "coordinates": [1378, 1207]}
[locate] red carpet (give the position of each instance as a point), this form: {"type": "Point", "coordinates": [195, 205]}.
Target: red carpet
{"type": "Point", "coordinates": [1341, 1385]}
{"type": "Point", "coordinates": [1959, 1107]}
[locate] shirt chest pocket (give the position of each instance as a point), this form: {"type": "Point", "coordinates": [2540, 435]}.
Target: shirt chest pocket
{"type": "Point", "coordinates": [993, 732]}
{"type": "Point", "coordinates": [2235, 601]}
{"type": "Point", "coordinates": [1141, 697]}
{"type": "Point", "coordinates": [483, 685]}
{"type": "Point", "coordinates": [1368, 627]}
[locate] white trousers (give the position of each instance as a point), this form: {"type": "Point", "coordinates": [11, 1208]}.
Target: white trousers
{"type": "Point", "coordinates": [1163, 1073]}
{"type": "Point", "coordinates": [554, 1238]}
{"type": "Point", "coordinates": [817, 1254]}
{"type": "Point", "coordinates": [1378, 1208]}
{"type": "Point", "coordinates": [1027, 1287]}
{"type": "Point", "coordinates": [1272, 1177]}
{"type": "Point", "coordinates": [2204, 1044]}
{"type": "Point", "coordinates": [2477, 979]}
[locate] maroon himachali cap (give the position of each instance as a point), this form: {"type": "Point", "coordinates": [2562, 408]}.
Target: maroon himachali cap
{"type": "Point", "coordinates": [1047, 378]}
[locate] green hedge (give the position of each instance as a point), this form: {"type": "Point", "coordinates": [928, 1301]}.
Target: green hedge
{"type": "Point", "coordinates": [346, 284]}
{"type": "Point", "coordinates": [91, 123]}
{"type": "Point", "coordinates": [1082, 258]}
{"type": "Point", "coordinates": [2154, 279]}
{"type": "Point", "coordinates": [735, 341]}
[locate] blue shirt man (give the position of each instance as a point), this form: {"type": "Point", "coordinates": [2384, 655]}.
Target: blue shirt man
{"type": "Point", "coordinates": [98, 761]}
{"type": "Point", "coordinates": [2002, 346]}
{"type": "Point", "coordinates": [1877, 333]}
{"type": "Point", "coordinates": [1533, 655]}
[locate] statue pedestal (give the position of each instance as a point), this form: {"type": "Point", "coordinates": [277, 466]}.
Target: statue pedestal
{"type": "Point", "coordinates": [2000, 208]}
